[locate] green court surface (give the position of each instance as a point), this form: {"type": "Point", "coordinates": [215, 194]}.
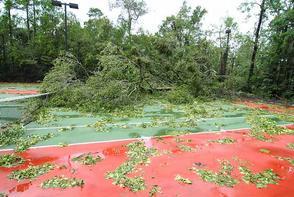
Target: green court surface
{"type": "Point", "coordinates": [72, 127]}
{"type": "Point", "coordinates": [156, 118]}
{"type": "Point", "coordinates": [10, 111]}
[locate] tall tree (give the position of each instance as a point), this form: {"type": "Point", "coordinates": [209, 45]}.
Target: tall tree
{"type": "Point", "coordinates": [132, 10]}
{"type": "Point", "coordinates": [8, 5]}
{"type": "Point", "coordinates": [26, 4]}
{"type": "Point", "coordinates": [185, 27]}
{"type": "Point", "coordinates": [257, 34]}
{"type": "Point", "coordinates": [229, 25]}
{"type": "Point", "coordinates": [278, 67]}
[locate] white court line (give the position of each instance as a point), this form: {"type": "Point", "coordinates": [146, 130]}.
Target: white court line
{"type": "Point", "coordinates": [132, 139]}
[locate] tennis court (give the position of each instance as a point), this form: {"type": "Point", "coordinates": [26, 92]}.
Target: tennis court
{"type": "Point", "coordinates": [183, 143]}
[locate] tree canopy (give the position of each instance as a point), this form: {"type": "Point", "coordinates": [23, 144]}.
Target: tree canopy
{"type": "Point", "coordinates": [111, 65]}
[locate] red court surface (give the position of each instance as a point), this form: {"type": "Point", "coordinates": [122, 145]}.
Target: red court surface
{"type": "Point", "coordinates": [22, 92]}
{"type": "Point", "coordinates": [267, 107]}
{"type": "Point", "coordinates": [163, 168]}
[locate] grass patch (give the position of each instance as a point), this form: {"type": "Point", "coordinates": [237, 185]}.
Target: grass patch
{"type": "Point", "coordinates": [31, 172]}
{"type": "Point", "coordinates": [261, 180]}
{"type": "Point", "coordinates": [62, 182]}
{"type": "Point", "coordinates": [10, 160]}
{"type": "Point", "coordinates": [138, 154]}
{"type": "Point", "coordinates": [181, 179]}
{"type": "Point", "coordinates": [224, 141]}
{"type": "Point", "coordinates": [221, 178]}
{"type": "Point", "coordinates": [87, 159]}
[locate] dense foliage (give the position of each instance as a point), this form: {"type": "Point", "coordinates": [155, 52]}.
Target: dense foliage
{"type": "Point", "coordinates": [111, 66]}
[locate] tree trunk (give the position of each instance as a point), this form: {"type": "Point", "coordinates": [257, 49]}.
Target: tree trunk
{"type": "Point", "coordinates": [10, 25]}
{"type": "Point", "coordinates": [3, 49]}
{"type": "Point", "coordinates": [34, 10]}
{"type": "Point", "coordinates": [28, 20]}
{"type": "Point", "coordinates": [129, 23]}
{"type": "Point", "coordinates": [255, 48]}
{"type": "Point", "coordinates": [224, 61]}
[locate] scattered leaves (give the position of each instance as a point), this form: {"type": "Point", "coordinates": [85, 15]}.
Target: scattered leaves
{"type": "Point", "coordinates": [221, 178]}
{"type": "Point", "coordinates": [11, 134]}
{"type": "Point", "coordinates": [178, 133]}
{"type": "Point", "coordinates": [154, 190]}
{"type": "Point", "coordinates": [185, 148]}
{"type": "Point", "coordinates": [261, 180]}
{"type": "Point", "coordinates": [31, 172]}
{"type": "Point", "coordinates": [101, 126]}
{"type": "Point", "coordinates": [263, 150]}
{"type": "Point", "coordinates": [25, 143]}
{"type": "Point", "coordinates": [10, 160]}
{"type": "Point", "coordinates": [87, 159]}
{"type": "Point", "coordinates": [138, 154]}
{"type": "Point", "coordinates": [44, 116]}
{"type": "Point", "coordinates": [262, 126]}
{"type": "Point", "coordinates": [180, 140]}
{"type": "Point", "coordinates": [3, 194]}
{"type": "Point", "coordinates": [183, 180]}
{"type": "Point", "coordinates": [63, 144]}
{"type": "Point", "coordinates": [62, 182]}
{"type": "Point", "coordinates": [224, 141]}
{"type": "Point", "coordinates": [291, 146]}
{"type": "Point", "coordinates": [289, 159]}
{"type": "Point", "coordinates": [64, 129]}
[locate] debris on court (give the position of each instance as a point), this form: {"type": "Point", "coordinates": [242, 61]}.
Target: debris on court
{"type": "Point", "coordinates": [155, 190]}
{"type": "Point", "coordinates": [222, 178]}
{"type": "Point", "coordinates": [223, 141]}
{"type": "Point", "coordinates": [10, 160]}
{"type": "Point", "coordinates": [24, 143]}
{"type": "Point", "coordinates": [31, 172]}
{"type": "Point", "coordinates": [289, 159]}
{"type": "Point", "coordinates": [3, 194]}
{"type": "Point", "coordinates": [11, 134]}
{"type": "Point", "coordinates": [204, 135]}
{"type": "Point", "coordinates": [62, 182]}
{"type": "Point", "coordinates": [291, 146]}
{"type": "Point", "coordinates": [262, 179]}
{"type": "Point", "coordinates": [263, 150]}
{"type": "Point", "coordinates": [185, 148]}
{"type": "Point", "coordinates": [88, 159]}
{"type": "Point", "coordinates": [263, 128]}
{"type": "Point", "coordinates": [138, 154]}
{"type": "Point", "coordinates": [44, 116]}
{"type": "Point", "coordinates": [181, 179]}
